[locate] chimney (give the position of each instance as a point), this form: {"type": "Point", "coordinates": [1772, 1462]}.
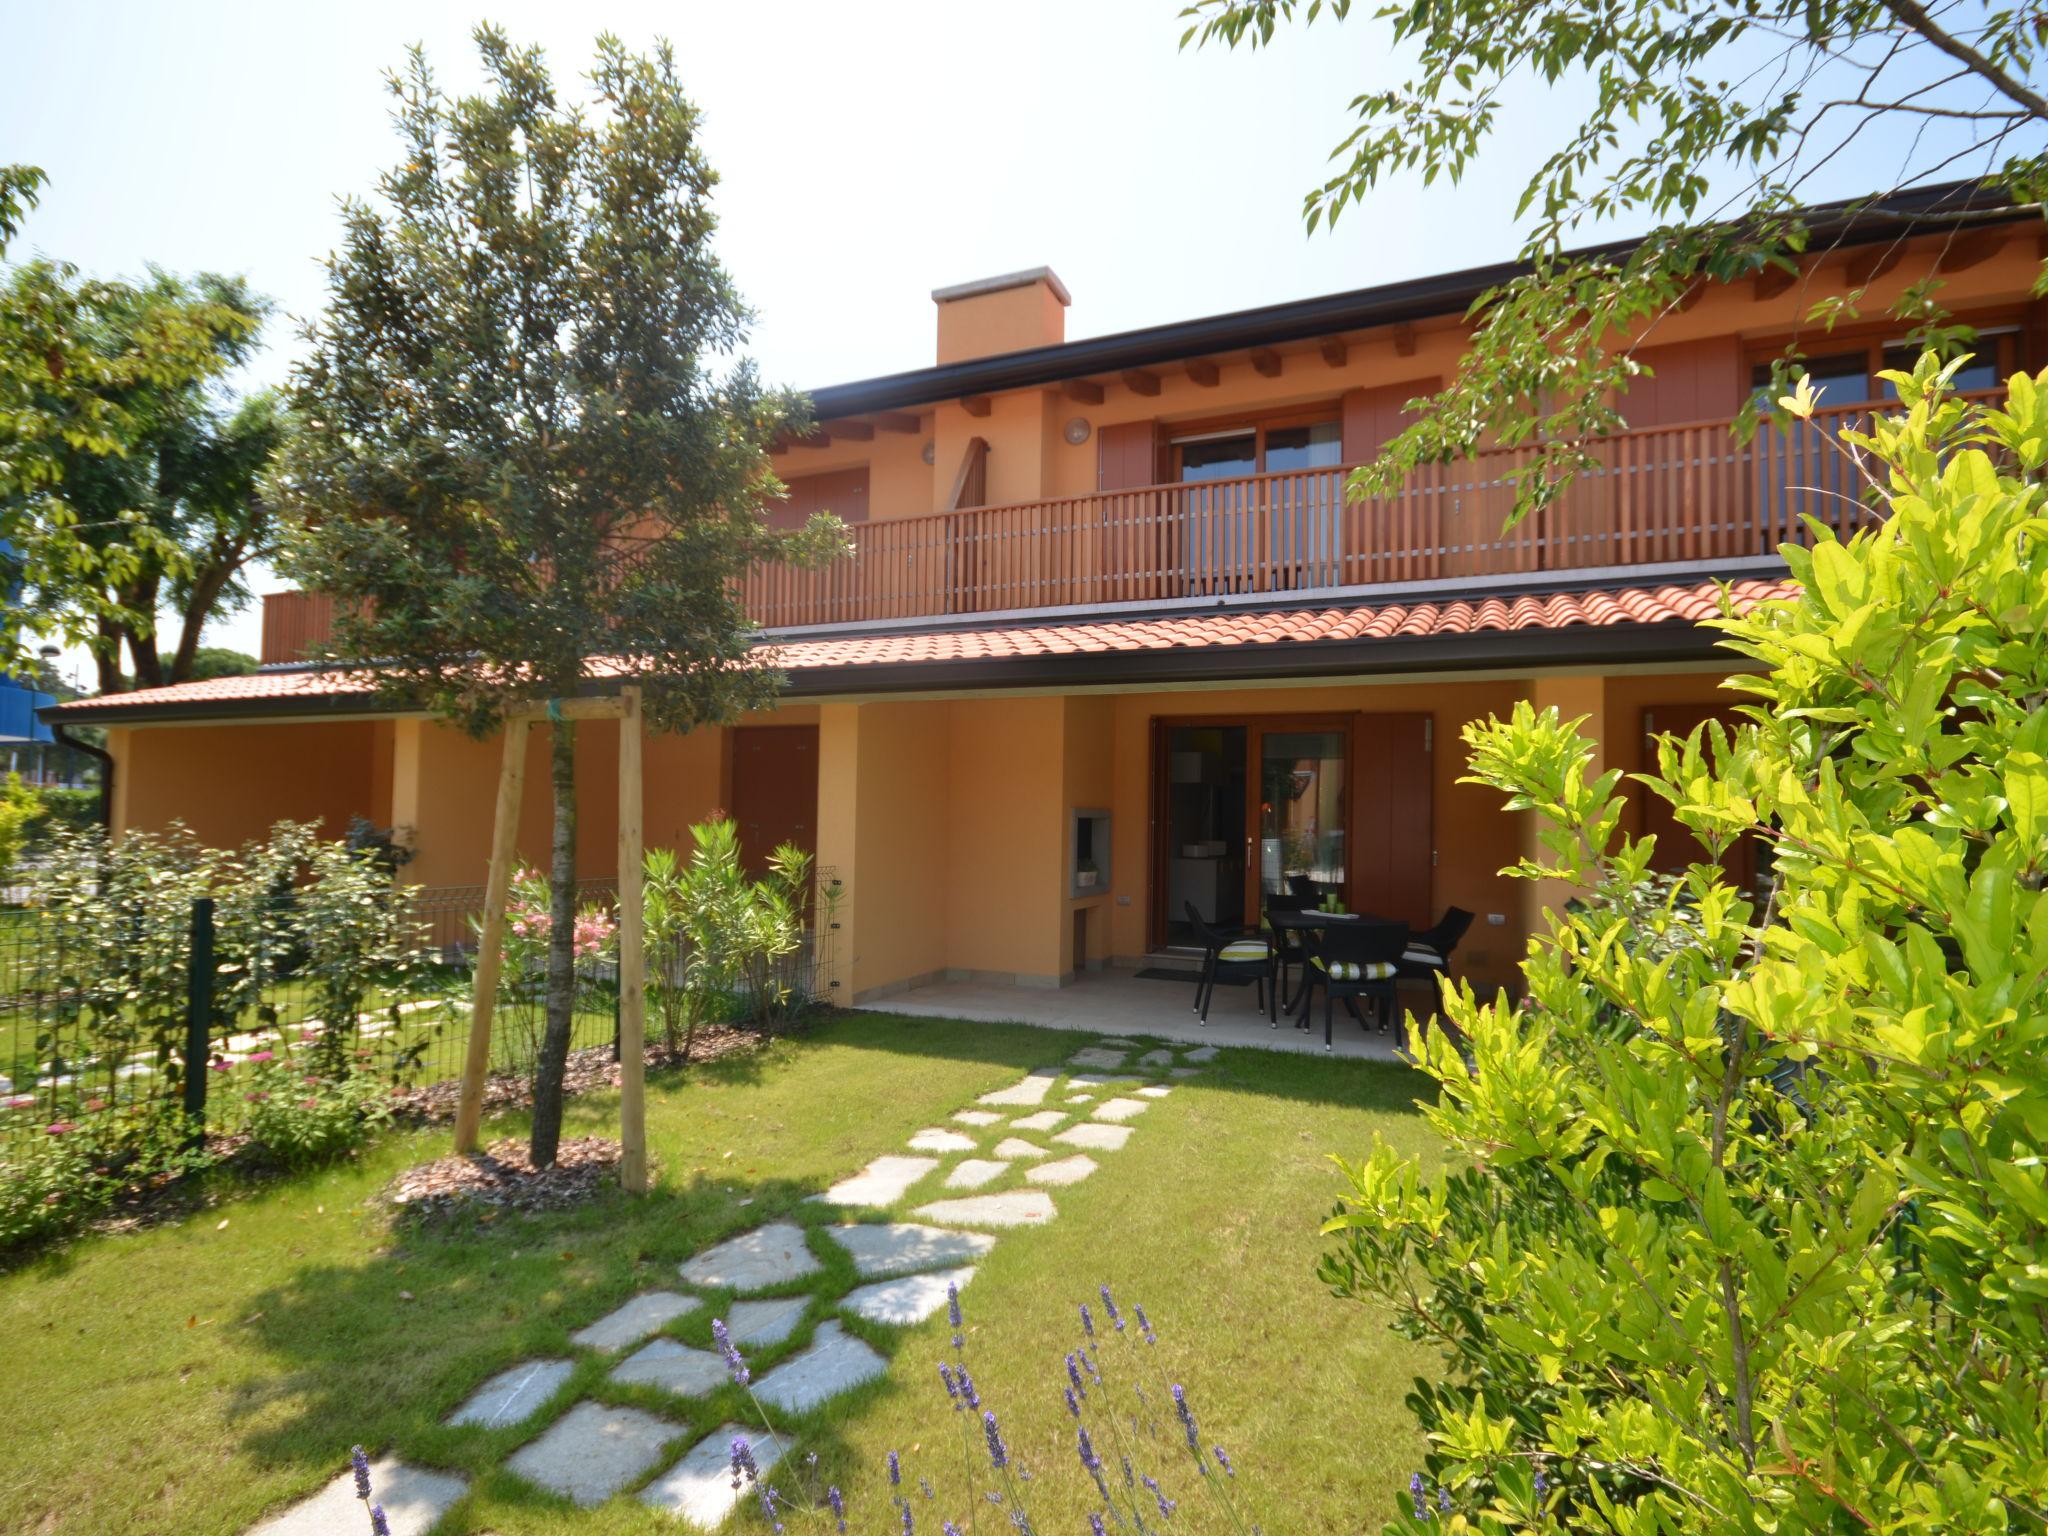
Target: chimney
{"type": "Point", "coordinates": [1010, 313]}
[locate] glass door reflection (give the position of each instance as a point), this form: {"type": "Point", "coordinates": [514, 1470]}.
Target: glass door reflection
{"type": "Point", "coordinates": [1303, 804]}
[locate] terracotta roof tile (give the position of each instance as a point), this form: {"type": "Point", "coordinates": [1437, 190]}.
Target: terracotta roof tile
{"type": "Point", "coordinates": [1294, 626]}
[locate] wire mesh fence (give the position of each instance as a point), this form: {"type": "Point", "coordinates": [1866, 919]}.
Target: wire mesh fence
{"type": "Point", "coordinates": [136, 1010]}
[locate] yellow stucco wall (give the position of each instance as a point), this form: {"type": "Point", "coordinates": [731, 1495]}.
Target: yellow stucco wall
{"type": "Point", "coordinates": [232, 783]}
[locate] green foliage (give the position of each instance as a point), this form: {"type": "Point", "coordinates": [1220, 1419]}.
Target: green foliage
{"type": "Point", "coordinates": [211, 661]}
{"type": "Point", "coordinates": [21, 809]}
{"type": "Point", "coordinates": [1752, 1229]}
{"type": "Point", "coordinates": [295, 1119]}
{"type": "Point", "coordinates": [62, 807]}
{"type": "Point", "coordinates": [56, 1180]}
{"type": "Point", "coordinates": [1673, 126]}
{"type": "Point", "coordinates": [717, 941]}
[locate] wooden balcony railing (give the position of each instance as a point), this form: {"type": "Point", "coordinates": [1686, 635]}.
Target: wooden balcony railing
{"type": "Point", "coordinates": [1658, 494]}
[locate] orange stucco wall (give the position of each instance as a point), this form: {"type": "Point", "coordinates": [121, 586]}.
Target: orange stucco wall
{"type": "Point", "coordinates": [231, 783]}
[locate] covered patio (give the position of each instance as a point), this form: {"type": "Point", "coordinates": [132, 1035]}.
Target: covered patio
{"type": "Point", "coordinates": [1119, 1001]}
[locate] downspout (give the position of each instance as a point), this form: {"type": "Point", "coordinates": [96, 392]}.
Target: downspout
{"type": "Point", "coordinates": [106, 770]}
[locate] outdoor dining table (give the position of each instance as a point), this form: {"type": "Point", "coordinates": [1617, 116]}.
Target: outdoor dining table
{"type": "Point", "coordinates": [1311, 922]}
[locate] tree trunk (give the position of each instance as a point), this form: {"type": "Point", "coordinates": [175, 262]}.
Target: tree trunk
{"type": "Point", "coordinates": [554, 1046]}
{"type": "Point", "coordinates": [106, 658]}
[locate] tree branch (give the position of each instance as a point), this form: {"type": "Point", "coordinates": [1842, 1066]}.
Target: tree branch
{"type": "Point", "coordinates": [1914, 16]}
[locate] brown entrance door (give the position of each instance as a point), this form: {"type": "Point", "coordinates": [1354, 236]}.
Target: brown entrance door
{"type": "Point", "coordinates": [1676, 846]}
{"type": "Point", "coordinates": [774, 790]}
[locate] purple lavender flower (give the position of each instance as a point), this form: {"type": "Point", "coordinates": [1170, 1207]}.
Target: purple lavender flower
{"type": "Point", "coordinates": [1109, 1306]}
{"type": "Point", "coordinates": [950, 1529]}
{"type": "Point", "coordinates": [924, 1486]}
{"type": "Point", "coordinates": [1087, 1321]}
{"type": "Point", "coordinates": [1542, 1482]}
{"type": "Point", "coordinates": [1187, 1420]}
{"type": "Point", "coordinates": [1073, 1402]}
{"type": "Point", "coordinates": [1074, 1376]}
{"type": "Point", "coordinates": [733, 1363]}
{"type": "Point", "coordinates": [838, 1505]}
{"type": "Point", "coordinates": [1095, 1527]}
{"type": "Point", "coordinates": [1127, 1470]}
{"type": "Point", "coordinates": [1443, 1498]}
{"type": "Point", "coordinates": [1089, 1361]}
{"type": "Point", "coordinates": [952, 1387]}
{"type": "Point", "coordinates": [743, 1468]}
{"type": "Point", "coordinates": [1145, 1326]}
{"type": "Point", "coordinates": [379, 1525]}
{"type": "Point", "coordinates": [1166, 1506]}
{"type": "Point", "coordinates": [1223, 1461]}
{"type": "Point", "coordinates": [1415, 1493]}
{"type": "Point", "coordinates": [361, 1465]}
{"type": "Point", "coordinates": [953, 1304]}
{"type": "Point", "coordinates": [895, 1471]}
{"type": "Point", "coordinates": [998, 1453]}
{"type": "Point", "coordinates": [967, 1392]}
{"type": "Point", "coordinates": [1086, 1449]}
{"type": "Point", "coordinates": [909, 1525]}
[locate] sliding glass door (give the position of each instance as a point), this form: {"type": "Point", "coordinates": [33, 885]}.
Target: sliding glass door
{"type": "Point", "coordinates": [1303, 808]}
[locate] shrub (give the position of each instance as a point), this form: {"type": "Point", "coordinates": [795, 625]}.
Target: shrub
{"type": "Point", "coordinates": [57, 1180]}
{"type": "Point", "coordinates": [297, 1119]}
{"type": "Point", "coordinates": [1750, 1226]}
{"type": "Point", "coordinates": [20, 809]}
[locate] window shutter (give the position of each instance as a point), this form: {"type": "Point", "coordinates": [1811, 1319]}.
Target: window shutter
{"type": "Point", "coordinates": [1126, 455]}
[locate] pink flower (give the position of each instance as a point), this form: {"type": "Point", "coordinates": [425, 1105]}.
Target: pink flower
{"type": "Point", "coordinates": [59, 1128]}
{"type": "Point", "coordinates": [219, 1064]}
{"type": "Point", "coordinates": [262, 1056]}
{"type": "Point", "coordinates": [21, 1101]}
{"type": "Point", "coordinates": [95, 1104]}
{"type": "Point", "coordinates": [309, 1032]}
{"type": "Point", "coordinates": [255, 1098]}
{"type": "Point", "coordinates": [309, 1103]}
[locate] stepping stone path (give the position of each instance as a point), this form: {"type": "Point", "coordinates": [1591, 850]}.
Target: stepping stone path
{"type": "Point", "coordinates": [975, 1172]}
{"type": "Point", "coordinates": [699, 1487]}
{"type": "Point", "coordinates": [1032, 1090]}
{"type": "Point", "coordinates": [1096, 1138]}
{"type": "Point", "coordinates": [594, 1451]}
{"type": "Point", "coordinates": [1068, 1170]}
{"type": "Point", "coordinates": [1096, 1056]}
{"type": "Point", "coordinates": [754, 1261]}
{"type": "Point", "coordinates": [1121, 1109]}
{"type": "Point", "coordinates": [898, 1248]}
{"type": "Point", "coordinates": [1017, 1208]}
{"type": "Point", "coordinates": [765, 1322]}
{"type": "Point", "coordinates": [836, 1362]}
{"type": "Point", "coordinates": [512, 1396]}
{"type": "Point", "coordinates": [912, 1299]}
{"type": "Point", "coordinates": [674, 1368]}
{"type": "Point", "coordinates": [885, 1180]}
{"type": "Point", "coordinates": [414, 1501]}
{"type": "Point", "coordinates": [646, 1313]}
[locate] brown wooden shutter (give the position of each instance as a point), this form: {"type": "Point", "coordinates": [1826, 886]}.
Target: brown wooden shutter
{"type": "Point", "coordinates": [1693, 381]}
{"type": "Point", "coordinates": [1371, 416]}
{"type": "Point", "coordinates": [1126, 455]}
{"type": "Point", "coordinates": [1393, 847]}
{"type": "Point", "coordinates": [840, 491]}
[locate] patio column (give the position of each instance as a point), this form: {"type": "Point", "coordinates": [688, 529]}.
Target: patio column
{"type": "Point", "coordinates": [405, 775]}
{"type": "Point", "coordinates": [1572, 695]}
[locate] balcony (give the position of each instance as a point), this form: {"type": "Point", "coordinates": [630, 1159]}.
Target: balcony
{"type": "Point", "coordinates": [1658, 494]}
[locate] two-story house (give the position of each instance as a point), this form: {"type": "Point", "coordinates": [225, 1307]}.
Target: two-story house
{"type": "Point", "coordinates": [1113, 640]}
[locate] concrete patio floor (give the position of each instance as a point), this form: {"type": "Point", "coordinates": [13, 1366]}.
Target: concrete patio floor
{"type": "Point", "coordinates": [1120, 1002]}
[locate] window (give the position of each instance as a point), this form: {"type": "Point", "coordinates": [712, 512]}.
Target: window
{"type": "Point", "coordinates": [1849, 376]}
{"type": "Point", "coordinates": [1259, 448]}
{"type": "Point", "coordinates": [1317, 446]}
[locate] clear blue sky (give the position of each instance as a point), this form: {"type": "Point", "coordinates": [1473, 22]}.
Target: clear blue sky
{"type": "Point", "coordinates": [869, 153]}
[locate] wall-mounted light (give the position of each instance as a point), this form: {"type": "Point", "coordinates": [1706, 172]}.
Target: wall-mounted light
{"type": "Point", "coordinates": [930, 451]}
{"type": "Point", "coordinates": [1076, 431]}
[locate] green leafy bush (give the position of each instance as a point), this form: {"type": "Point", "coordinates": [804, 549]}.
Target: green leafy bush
{"type": "Point", "coordinates": [70, 1172]}
{"type": "Point", "coordinates": [297, 1119]}
{"type": "Point", "coordinates": [1749, 1230]}
{"type": "Point", "coordinates": [20, 809]}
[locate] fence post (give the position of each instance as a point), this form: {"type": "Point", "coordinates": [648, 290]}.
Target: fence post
{"type": "Point", "coordinates": [198, 1012]}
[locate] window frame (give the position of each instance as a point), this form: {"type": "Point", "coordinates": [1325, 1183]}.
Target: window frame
{"type": "Point", "coordinates": [1256, 423]}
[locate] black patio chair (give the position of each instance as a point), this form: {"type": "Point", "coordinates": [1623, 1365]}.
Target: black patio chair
{"type": "Point", "coordinates": [1428, 954]}
{"type": "Point", "coordinates": [1228, 957]}
{"type": "Point", "coordinates": [1306, 890]}
{"type": "Point", "coordinates": [1351, 960]}
{"type": "Point", "coordinates": [1290, 947]}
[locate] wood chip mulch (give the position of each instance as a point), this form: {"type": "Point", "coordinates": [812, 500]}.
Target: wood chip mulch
{"type": "Point", "coordinates": [587, 1069]}
{"type": "Point", "coordinates": [502, 1178]}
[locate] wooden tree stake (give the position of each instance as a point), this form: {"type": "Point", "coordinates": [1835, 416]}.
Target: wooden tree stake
{"type": "Point", "coordinates": [469, 1112]}
{"type": "Point", "coordinates": [632, 955]}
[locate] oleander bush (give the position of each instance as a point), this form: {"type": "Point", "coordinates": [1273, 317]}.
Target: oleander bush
{"type": "Point", "coordinates": [1749, 1224]}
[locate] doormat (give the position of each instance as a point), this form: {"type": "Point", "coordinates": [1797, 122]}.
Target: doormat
{"type": "Point", "coordinates": [1168, 973]}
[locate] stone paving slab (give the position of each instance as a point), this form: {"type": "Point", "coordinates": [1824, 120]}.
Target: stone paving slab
{"type": "Point", "coordinates": [1032, 1090]}
{"type": "Point", "coordinates": [1202, 1053]}
{"type": "Point", "coordinates": [1015, 1208]}
{"type": "Point", "coordinates": [1044, 1120]}
{"type": "Point", "coordinates": [754, 1261]}
{"type": "Point", "coordinates": [1119, 1043]}
{"type": "Point", "coordinates": [899, 1247]}
{"type": "Point", "coordinates": [977, 1116]}
{"type": "Point", "coordinates": [592, 1451]}
{"type": "Point", "coordinates": [672, 1367]}
{"type": "Point", "coordinates": [414, 1501]}
{"type": "Point", "coordinates": [1092, 1080]}
{"type": "Point", "coordinates": [1096, 1056]}
{"type": "Point", "coordinates": [1068, 1170]}
{"type": "Point", "coordinates": [1121, 1109]}
{"type": "Point", "coordinates": [899, 1303]}
{"type": "Point", "coordinates": [765, 1322]}
{"type": "Point", "coordinates": [1154, 1091]}
{"type": "Point", "coordinates": [836, 1362]}
{"type": "Point", "coordinates": [939, 1140]}
{"type": "Point", "coordinates": [1156, 1059]}
{"type": "Point", "coordinates": [974, 1172]}
{"type": "Point", "coordinates": [1185, 1072]}
{"type": "Point", "coordinates": [1015, 1147]}
{"type": "Point", "coordinates": [513, 1395]}
{"type": "Point", "coordinates": [882, 1182]}
{"type": "Point", "coordinates": [646, 1313]}
{"type": "Point", "coordinates": [698, 1489]}
{"type": "Point", "coordinates": [1096, 1138]}
{"type": "Point", "coordinates": [1080, 1098]}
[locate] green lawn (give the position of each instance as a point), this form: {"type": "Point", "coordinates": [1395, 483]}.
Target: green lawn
{"type": "Point", "coordinates": [192, 1378]}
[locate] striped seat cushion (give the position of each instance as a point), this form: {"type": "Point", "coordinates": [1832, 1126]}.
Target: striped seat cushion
{"type": "Point", "coordinates": [1422, 954]}
{"type": "Point", "coordinates": [1245, 949]}
{"type": "Point", "coordinates": [1350, 970]}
